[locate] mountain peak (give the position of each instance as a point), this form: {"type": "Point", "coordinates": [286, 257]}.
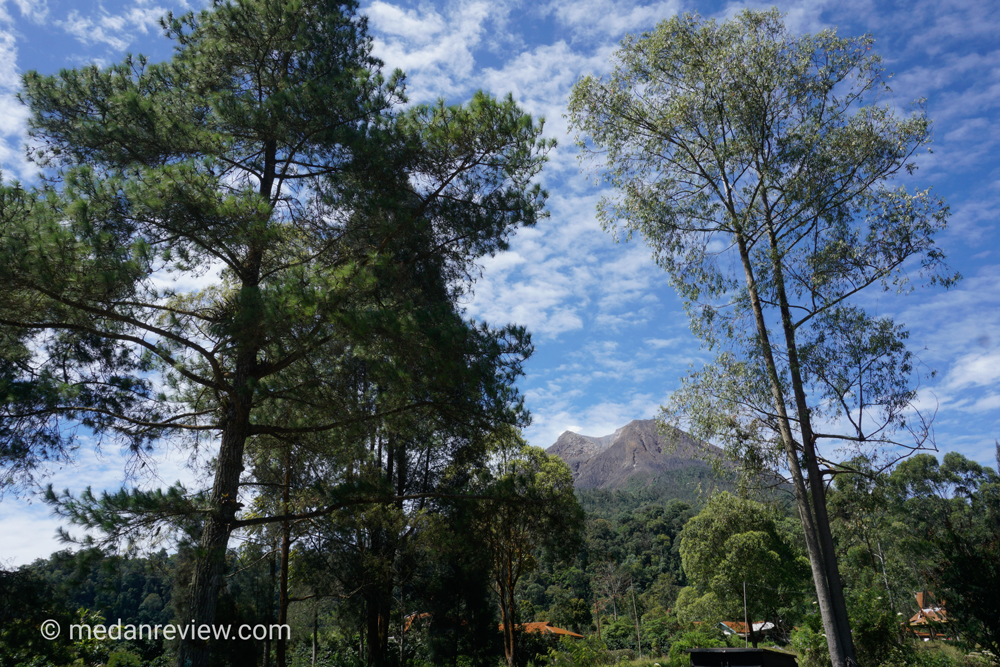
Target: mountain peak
{"type": "Point", "coordinates": [636, 451]}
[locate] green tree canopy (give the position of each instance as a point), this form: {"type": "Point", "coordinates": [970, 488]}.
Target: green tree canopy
{"type": "Point", "coordinates": [954, 508]}
{"type": "Point", "coordinates": [535, 508]}
{"type": "Point", "coordinates": [740, 550]}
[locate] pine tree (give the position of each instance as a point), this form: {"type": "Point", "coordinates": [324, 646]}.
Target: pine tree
{"type": "Point", "coordinates": [268, 150]}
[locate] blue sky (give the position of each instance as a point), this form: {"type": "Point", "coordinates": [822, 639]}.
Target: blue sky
{"type": "Point", "coordinates": [611, 337]}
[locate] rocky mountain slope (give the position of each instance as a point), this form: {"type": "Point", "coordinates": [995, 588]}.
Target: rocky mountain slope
{"type": "Point", "coordinates": [634, 454]}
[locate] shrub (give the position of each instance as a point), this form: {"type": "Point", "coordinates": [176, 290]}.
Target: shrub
{"type": "Point", "coordinates": [693, 639]}
{"type": "Point", "coordinates": [809, 643]}
{"type": "Point", "coordinates": [587, 652]}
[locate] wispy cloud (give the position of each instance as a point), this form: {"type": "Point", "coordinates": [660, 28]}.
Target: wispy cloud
{"type": "Point", "coordinates": [13, 114]}
{"type": "Point", "coordinates": [117, 31]}
{"type": "Point", "coordinates": [435, 49]}
{"type": "Point", "coordinates": [609, 19]}
{"type": "Point", "coordinates": [35, 11]}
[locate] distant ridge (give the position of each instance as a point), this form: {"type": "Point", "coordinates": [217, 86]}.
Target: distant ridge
{"type": "Point", "coordinates": [635, 454]}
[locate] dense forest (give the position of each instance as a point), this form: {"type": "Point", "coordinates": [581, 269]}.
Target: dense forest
{"type": "Point", "coordinates": [366, 496]}
{"type": "Point", "coordinates": [641, 575]}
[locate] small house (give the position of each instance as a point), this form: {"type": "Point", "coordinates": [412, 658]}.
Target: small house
{"type": "Point", "coordinates": [738, 628]}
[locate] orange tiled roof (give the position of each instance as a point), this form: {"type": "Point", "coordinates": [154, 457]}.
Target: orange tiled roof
{"type": "Point", "coordinates": [928, 614]}
{"type": "Point", "coordinates": [412, 618]}
{"type": "Point", "coordinates": [736, 626]}
{"type": "Point", "coordinates": [543, 628]}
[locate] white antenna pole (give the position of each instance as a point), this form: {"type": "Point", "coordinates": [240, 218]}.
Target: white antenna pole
{"type": "Point", "coordinates": [746, 623]}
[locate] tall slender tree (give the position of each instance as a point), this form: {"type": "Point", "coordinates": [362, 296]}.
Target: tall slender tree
{"type": "Point", "coordinates": [534, 508]}
{"type": "Point", "coordinates": [755, 164]}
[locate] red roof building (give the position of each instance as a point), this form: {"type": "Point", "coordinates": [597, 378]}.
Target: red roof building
{"type": "Point", "coordinates": [543, 628]}
{"type": "Point", "coordinates": [739, 628]}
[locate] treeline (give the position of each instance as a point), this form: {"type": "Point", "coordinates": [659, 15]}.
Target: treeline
{"type": "Point", "coordinates": [348, 586]}
{"type": "Point", "coordinates": [692, 484]}
{"type": "Point", "coordinates": [927, 526]}
{"type": "Point", "coordinates": [652, 580]}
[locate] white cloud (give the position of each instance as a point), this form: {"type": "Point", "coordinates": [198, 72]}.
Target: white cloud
{"type": "Point", "coordinates": [801, 16]}
{"type": "Point", "coordinates": [976, 369]}
{"type": "Point", "coordinates": [598, 419]}
{"type": "Point", "coordinates": [573, 288]}
{"type": "Point", "coordinates": [414, 25]}
{"type": "Point", "coordinates": [609, 18]}
{"type": "Point", "coordinates": [34, 10]}
{"type": "Point", "coordinates": [10, 78]}
{"type": "Point", "coordinates": [13, 114]}
{"type": "Point", "coordinates": [436, 51]}
{"type": "Point", "coordinates": [117, 31]}
{"type": "Point", "coordinates": [661, 343]}
{"type": "Point", "coordinates": [181, 283]}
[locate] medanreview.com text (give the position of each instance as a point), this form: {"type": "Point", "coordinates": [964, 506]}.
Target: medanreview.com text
{"type": "Point", "coordinates": [51, 629]}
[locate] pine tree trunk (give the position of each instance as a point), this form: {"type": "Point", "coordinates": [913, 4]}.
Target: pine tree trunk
{"type": "Point", "coordinates": [286, 545]}
{"type": "Point", "coordinates": [211, 562]}
{"type": "Point", "coordinates": [235, 426]}
{"type": "Point", "coordinates": [270, 610]}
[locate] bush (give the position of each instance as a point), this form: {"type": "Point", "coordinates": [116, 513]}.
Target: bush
{"type": "Point", "coordinates": [876, 630]}
{"type": "Point", "coordinates": [621, 655]}
{"type": "Point", "coordinates": [809, 643]}
{"type": "Point", "coordinates": [124, 659]}
{"type": "Point", "coordinates": [587, 652]}
{"type": "Point", "coordinates": [692, 639]}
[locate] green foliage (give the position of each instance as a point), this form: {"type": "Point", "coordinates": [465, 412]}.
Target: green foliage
{"type": "Point", "coordinates": [331, 235]}
{"type": "Point", "coordinates": [696, 605]}
{"type": "Point", "coordinates": [587, 652]}
{"type": "Point", "coordinates": [879, 546]}
{"type": "Point", "coordinates": [877, 632]}
{"type": "Point", "coordinates": [644, 540]}
{"type": "Point", "coordinates": [955, 507]}
{"type": "Point", "coordinates": [534, 508]}
{"type": "Point", "coordinates": [123, 659]}
{"type": "Point", "coordinates": [735, 547]}
{"type": "Point", "coordinates": [658, 632]}
{"type": "Point", "coordinates": [930, 525]}
{"type": "Point", "coordinates": [26, 601]}
{"type": "Point", "coordinates": [343, 229]}
{"type": "Point", "coordinates": [692, 639]}
{"type": "Point", "coordinates": [809, 643]}
{"type": "Point", "coordinates": [690, 485]}
{"type": "Point", "coordinates": [660, 596]}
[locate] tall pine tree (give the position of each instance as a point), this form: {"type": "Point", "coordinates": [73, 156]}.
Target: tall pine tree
{"type": "Point", "coordinates": [268, 151]}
